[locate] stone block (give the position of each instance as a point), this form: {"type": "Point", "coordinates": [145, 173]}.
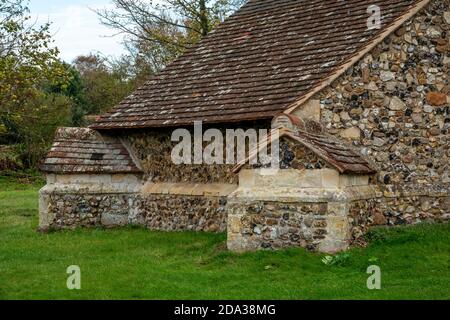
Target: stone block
{"type": "Point", "coordinates": [181, 189]}
{"type": "Point", "coordinates": [333, 246]}
{"type": "Point", "coordinates": [247, 178]}
{"type": "Point", "coordinates": [236, 243]}
{"type": "Point", "coordinates": [51, 178]}
{"type": "Point", "coordinates": [353, 180]}
{"type": "Point", "coordinates": [124, 178]}
{"type": "Point", "coordinates": [46, 216]}
{"type": "Point", "coordinates": [114, 220]}
{"type": "Point", "coordinates": [337, 235]}
{"type": "Point", "coordinates": [88, 179]}
{"type": "Point", "coordinates": [436, 98]}
{"type": "Point", "coordinates": [337, 208]}
{"type": "Point", "coordinates": [353, 133]}
{"type": "Point", "coordinates": [330, 178]}
{"type": "Point", "coordinates": [310, 110]}
{"type": "Point", "coordinates": [315, 178]}
{"type": "Point", "coordinates": [219, 190]}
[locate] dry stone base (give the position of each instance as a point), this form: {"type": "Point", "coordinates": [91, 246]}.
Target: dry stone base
{"type": "Point", "coordinates": [415, 203]}
{"type": "Point", "coordinates": [322, 226]}
{"type": "Point", "coordinates": [329, 222]}
{"type": "Point", "coordinates": [175, 213]}
{"type": "Point", "coordinates": [317, 209]}
{"type": "Point", "coordinates": [157, 212]}
{"type": "Point", "coordinates": [272, 225]}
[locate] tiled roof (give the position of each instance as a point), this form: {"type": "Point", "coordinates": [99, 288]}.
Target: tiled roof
{"type": "Point", "coordinates": [260, 61]}
{"type": "Point", "coordinates": [81, 150]}
{"type": "Point", "coordinates": [337, 153]}
{"type": "Point", "coordinates": [334, 151]}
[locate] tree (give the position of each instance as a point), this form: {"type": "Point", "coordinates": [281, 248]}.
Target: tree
{"type": "Point", "coordinates": [28, 62]}
{"type": "Point", "coordinates": [104, 83]}
{"type": "Point", "coordinates": [158, 31]}
{"type": "Point", "coordinates": [74, 90]}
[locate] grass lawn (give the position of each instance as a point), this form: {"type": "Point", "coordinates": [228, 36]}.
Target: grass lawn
{"type": "Point", "coordinates": [139, 264]}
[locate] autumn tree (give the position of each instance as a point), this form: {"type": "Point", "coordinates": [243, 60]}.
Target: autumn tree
{"type": "Point", "coordinates": [158, 31]}
{"type": "Point", "coordinates": [105, 83]}
{"type": "Point", "coordinates": [28, 62]}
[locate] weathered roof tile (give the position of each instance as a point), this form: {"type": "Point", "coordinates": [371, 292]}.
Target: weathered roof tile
{"type": "Point", "coordinates": [81, 150]}
{"type": "Point", "coordinates": [256, 64]}
{"type": "Point", "coordinates": [334, 151]}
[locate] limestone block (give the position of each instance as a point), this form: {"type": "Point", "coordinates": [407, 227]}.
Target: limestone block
{"type": "Point", "coordinates": [247, 178]}
{"type": "Point", "coordinates": [125, 178]}
{"type": "Point", "coordinates": [114, 220]}
{"type": "Point", "coordinates": [353, 133]}
{"type": "Point", "coordinates": [236, 243]}
{"type": "Point", "coordinates": [234, 223]}
{"type": "Point", "coordinates": [337, 208]}
{"type": "Point", "coordinates": [338, 235]}
{"type": "Point", "coordinates": [182, 188]}
{"type": "Point", "coordinates": [331, 246]}
{"type": "Point", "coordinates": [353, 180]}
{"type": "Point", "coordinates": [51, 178]}
{"type": "Point", "coordinates": [83, 179]}
{"type": "Point", "coordinates": [218, 189]}
{"type": "Point", "coordinates": [46, 216]}
{"type": "Point", "coordinates": [315, 178]}
{"type": "Point", "coordinates": [157, 188]}
{"type": "Point", "coordinates": [310, 110]}
{"type": "Point", "coordinates": [197, 190]}
{"type": "Point", "coordinates": [330, 178]}
{"type": "Point", "coordinates": [190, 189]}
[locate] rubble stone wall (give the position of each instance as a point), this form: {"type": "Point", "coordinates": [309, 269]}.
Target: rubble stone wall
{"type": "Point", "coordinates": [394, 106]}
{"type": "Point", "coordinates": [153, 148]}
{"type": "Point", "coordinates": [157, 212]}
{"type": "Point", "coordinates": [274, 225]}
{"type": "Point", "coordinates": [280, 212]}
{"type": "Point", "coordinates": [71, 201]}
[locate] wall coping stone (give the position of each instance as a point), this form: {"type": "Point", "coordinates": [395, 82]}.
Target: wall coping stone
{"type": "Point", "coordinates": [90, 189]}
{"type": "Point", "coordinates": [190, 189]}
{"type": "Point", "coordinates": [310, 195]}
{"type": "Point", "coordinates": [393, 191]}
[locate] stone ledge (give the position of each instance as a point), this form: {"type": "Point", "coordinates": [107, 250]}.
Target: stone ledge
{"type": "Point", "coordinates": [306, 179]}
{"type": "Point", "coordinates": [416, 190]}
{"type": "Point", "coordinates": [309, 195]}
{"type": "Point", "coordinates": [91, 179]}
{"type": "Point", "coordinates": [189, 189]}
{"type": "Point", "coordinates": [90, 189]}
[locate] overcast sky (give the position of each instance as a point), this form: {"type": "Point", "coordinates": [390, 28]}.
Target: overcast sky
{"type": "Point", "coordinates": [76, 28]}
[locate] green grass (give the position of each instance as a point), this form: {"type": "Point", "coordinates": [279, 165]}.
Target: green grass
{"type": "Point", "coordinates": [139, 264]}
{"type": "Point", "coordinates": [24, 180]}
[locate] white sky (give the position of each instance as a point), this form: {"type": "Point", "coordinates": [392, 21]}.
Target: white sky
{"type": "Point", "coordinates": [76, 28]}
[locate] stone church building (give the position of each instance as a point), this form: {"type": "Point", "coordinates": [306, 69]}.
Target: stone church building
{"type": "Point", "coordinates": [359, 91]}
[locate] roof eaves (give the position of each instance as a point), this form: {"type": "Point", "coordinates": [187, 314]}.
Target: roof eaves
{"type": "Point", "coordinates": [355, 168]}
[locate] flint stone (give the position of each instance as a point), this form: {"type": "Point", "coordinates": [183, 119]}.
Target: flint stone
{"type": "Point", "coordinates": [396, 104]}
